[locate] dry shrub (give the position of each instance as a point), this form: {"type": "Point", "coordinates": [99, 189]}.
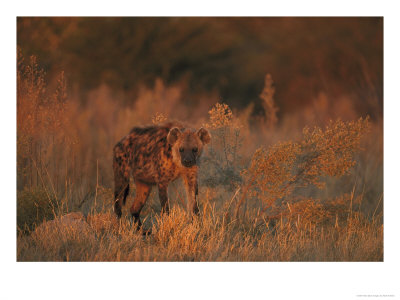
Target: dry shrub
{"type": "Point", "coordinates": [41, 140]}
{"type": "Point", "coordinates": [158, 118]}
{"type": "Point", "coordinates": [306, 212]}
{"type": "Point", "coordinates": [275, 173]}
{"type": "Point", "coordinates": [223, 159]}
{"type": "Point", "coordinates": [42, 144]}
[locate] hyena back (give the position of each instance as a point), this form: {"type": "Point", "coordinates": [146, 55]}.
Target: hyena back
{"type": "Point", "coordinates": [155, 156]}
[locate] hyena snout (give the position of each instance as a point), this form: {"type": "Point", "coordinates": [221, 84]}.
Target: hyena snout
{"type": "Point", "coordinates": [188, 159]}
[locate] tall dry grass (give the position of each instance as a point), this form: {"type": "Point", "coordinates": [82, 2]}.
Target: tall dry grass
{"type": "Point", "coordinates": [311, 195]}
{"type": "Point", "coordinates": [211, 237]}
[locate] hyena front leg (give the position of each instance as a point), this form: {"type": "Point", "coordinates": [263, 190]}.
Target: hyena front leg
{"type": "Point", "coordinates": [163, 194]}
{"type": "Point", "coordinates": [190, 180]}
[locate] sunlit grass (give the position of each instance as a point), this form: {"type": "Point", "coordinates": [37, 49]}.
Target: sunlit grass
{"type": "Point", "coordinates": [210, 237]}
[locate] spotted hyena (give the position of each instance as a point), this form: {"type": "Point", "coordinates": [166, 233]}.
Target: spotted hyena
{"type": "Point", "coordinates": [155, 156]}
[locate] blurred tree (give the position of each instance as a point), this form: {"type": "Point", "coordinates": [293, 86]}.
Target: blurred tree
{"type": "Point", "coordinates": [339, 56]}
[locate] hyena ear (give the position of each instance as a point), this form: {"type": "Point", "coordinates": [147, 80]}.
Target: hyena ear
{"type": "Point", "coordinates": [204, 135]}
{"type": "Point", "coordinates": [173, 135]}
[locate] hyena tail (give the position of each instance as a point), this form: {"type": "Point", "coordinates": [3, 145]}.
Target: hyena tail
{"type": "Point", "coordinates": [121, 181]}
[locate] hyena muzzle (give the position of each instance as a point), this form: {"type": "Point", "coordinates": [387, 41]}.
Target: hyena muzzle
{"type": "Point", "coordinates": [155, 156]}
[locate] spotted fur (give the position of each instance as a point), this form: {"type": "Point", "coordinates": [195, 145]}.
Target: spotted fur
{"type": "Point", "coordinates": [155, 156]}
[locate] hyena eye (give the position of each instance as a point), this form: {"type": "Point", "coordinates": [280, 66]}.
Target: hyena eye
{"type": "Point", "coordinates": [181, 149]}
{"type": "Point", "coordinates": [195, 150]}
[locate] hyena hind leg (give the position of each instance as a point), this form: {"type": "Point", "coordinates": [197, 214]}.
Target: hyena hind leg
{"type": "Point", "coordinates": [120, 193]}
{"type": "Point", "coordinates": [121, 184]}
{"type": "Point", "coordinates": [142, 194]}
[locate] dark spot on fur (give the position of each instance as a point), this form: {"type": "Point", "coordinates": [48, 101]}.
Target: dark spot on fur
{"type": "Point", "coordinates": [168, 153]}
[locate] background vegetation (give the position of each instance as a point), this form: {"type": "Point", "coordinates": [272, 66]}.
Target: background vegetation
{"type": "Point", "coordinates": [224, 57]}
{"type": "Point", "coordinates": [279, 181]}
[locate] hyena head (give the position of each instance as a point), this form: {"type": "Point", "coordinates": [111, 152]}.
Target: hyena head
{"type": "Point", "coordinates": [187, 145]}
